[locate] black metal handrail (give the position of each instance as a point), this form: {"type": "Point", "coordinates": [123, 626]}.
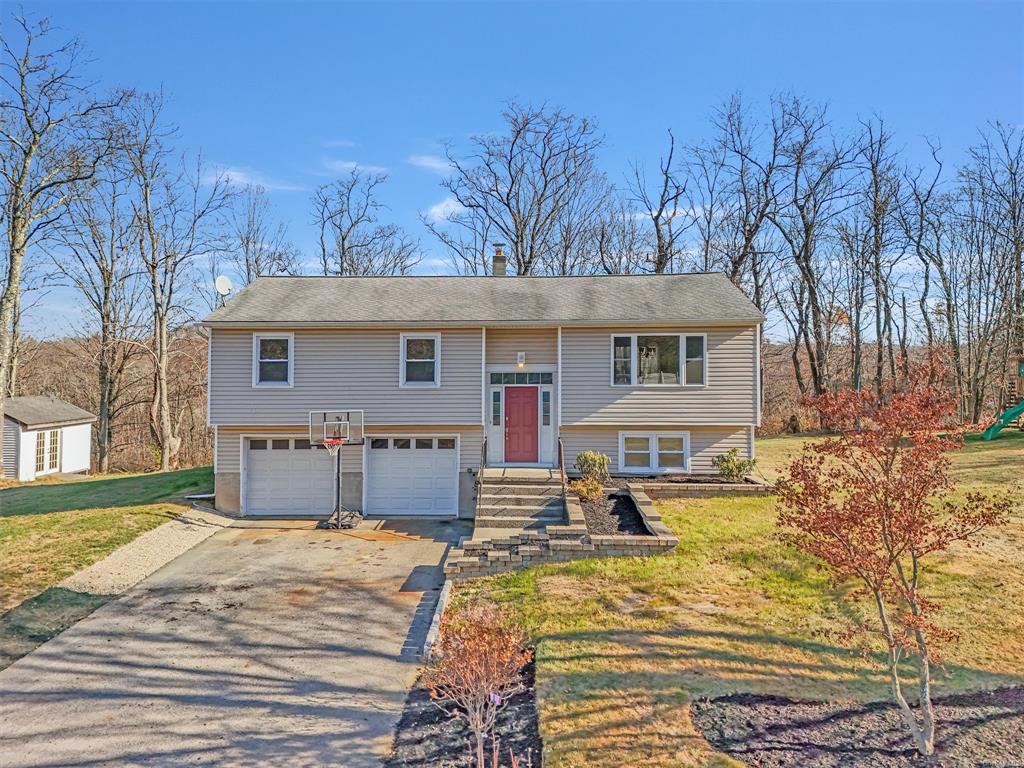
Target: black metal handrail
{"type": "Point", "coordinates": [480, 475]}
{"type": "Point", "coordinates": [561, 463]}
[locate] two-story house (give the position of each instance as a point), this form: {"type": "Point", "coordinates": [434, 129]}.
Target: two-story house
{"type": "Point", "coordinates": [659, 372]}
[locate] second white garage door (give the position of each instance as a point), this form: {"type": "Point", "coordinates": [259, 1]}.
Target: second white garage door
{"type": "Point", "coordinates": [409, 475]}
{"type": "Point", "coordinates": [286, 477]}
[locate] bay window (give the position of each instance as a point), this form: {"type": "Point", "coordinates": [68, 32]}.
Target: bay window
{"type": "Point", "coordinates": [659, 359]}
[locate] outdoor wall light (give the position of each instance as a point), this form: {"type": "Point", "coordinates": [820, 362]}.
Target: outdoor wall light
{"type": "Point", "coordinates": [520, 359]}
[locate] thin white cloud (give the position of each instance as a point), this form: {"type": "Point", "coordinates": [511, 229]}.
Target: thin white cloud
{"type": "Point", "coordinates": [245, 176]}
{"type": "Point", "coordinates": [347, 166]}
{"type": "Point", "coordinates": [443, 210]}
{"type": "Point", "coordinates": [338, 143]}
{"type": "Point", "coordinates": [431, 163]}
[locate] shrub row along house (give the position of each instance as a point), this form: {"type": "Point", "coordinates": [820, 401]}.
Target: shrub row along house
{"type": "Point", "coordinates": [659, 372]}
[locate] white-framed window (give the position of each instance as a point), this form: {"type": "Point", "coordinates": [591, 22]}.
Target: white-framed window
{"type": "Point", "coordinates": [654, 452]}
{"type": "Point", "coordinates": [421, 360]}
{"type": "Point", "coordinates": [273, 359]}
{"type": "Point", "coordinates": [659, 359]}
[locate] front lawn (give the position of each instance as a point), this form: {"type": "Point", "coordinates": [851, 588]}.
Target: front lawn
{"type": "Point", "coordinates": [624, 645]}
{"type": "Point", "coordinates": [49, 531]}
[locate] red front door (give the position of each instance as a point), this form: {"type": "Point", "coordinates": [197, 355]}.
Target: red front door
{"type": "Point", "coordinates": [521, 425]}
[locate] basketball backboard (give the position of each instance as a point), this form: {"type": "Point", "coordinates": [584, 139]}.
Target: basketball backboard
{"type": "Point", "coordinates": [336, 425]}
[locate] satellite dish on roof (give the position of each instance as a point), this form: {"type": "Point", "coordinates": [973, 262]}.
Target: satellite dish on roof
{"type": "Point", "coordinates": [223, 285]}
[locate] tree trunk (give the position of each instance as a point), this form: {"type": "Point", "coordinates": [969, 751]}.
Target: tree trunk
{"type": "Point", "coordinates": [166, 438]}
{"type": "Point", "coordinates": [9, 300]}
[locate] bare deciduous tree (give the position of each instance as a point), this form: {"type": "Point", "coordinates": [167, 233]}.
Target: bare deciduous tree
{"type": "Point", "coordinates": [521, 186]}
{"type": "Point", "coordinates": [351, 240]}
{"type": "Point", "coordinates": [811, 193]}
{"type": "Point", "coordinates": [178, 214]}
{"type": "Point", "coordinates": [53, 133]}
{"type": "Point", "coordinates": [99, 257]}
{"type": "Point", "coordinates": [259, 246]}
{"type": "Point", "coordinates": [659, 201]}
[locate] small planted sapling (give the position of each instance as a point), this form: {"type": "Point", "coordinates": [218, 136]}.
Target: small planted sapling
{"type": "Point", "coordinates": [873, 504]}
{"type": "Point", "coordinates": [481, 652]}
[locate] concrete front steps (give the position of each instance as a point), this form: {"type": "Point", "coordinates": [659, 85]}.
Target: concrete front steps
{"type": "Point", "coordinates": [496, 550]}
{"type": "Point", "coordinates": [522, 499]}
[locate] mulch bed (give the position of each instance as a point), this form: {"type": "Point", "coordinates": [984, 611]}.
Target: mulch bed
{"type": "Point", "coordinates": [978, 729]}
{"type": "Point", "coordinates": [682, 479]}
{"type": "Point", "coordinates": [614, 515]}
{"type": "Point", "coordinates": [429, 737]}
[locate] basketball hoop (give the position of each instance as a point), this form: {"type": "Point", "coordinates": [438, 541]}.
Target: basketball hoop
{"type": "Point", "coordinates": [333, 445]}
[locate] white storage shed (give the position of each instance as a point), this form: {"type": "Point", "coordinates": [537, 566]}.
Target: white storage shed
{"type": "Point", "coordinates": [43, 435]}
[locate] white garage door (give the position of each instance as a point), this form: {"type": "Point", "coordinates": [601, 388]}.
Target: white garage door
{"type": "Point", "coordinates": [285, 476]}
{"type": "Point", "coordinates": [411, 475]}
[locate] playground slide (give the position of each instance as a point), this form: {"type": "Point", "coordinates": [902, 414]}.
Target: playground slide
{"type": "Point", "coordinates": [1004, 421]}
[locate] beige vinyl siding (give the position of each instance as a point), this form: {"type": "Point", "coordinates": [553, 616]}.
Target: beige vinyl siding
{"type": "Point", "coordinates": [344, 369]}
{"type": "Point", "coordinates": [9, 448]}
{"type": "Point", "coordinates": [229, 443]}
{"type": "Point", "coordinates": [729, 396]}
{"type": "Point", "coordinates": [706, 442]}
{"type": "Point", "coordinates": [539, 344]}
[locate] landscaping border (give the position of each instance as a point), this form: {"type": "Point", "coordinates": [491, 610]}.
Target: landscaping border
{"type": "Point", "coordinates": [561, 543]}
{"type": "Point", "coordinates": [710, 490]}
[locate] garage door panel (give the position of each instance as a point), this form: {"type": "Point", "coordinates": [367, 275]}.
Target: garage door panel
{"type": "Point", "coordinates": [420, 480]}
{"type": "Point", "coordinates": [288, 481]}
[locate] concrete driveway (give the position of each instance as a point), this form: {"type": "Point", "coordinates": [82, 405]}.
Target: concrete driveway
{"type": "Point", "coordinates": [267, 644]}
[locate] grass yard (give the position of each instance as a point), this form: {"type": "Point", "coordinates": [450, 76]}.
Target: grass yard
{"type": "Point", "coordinates": [49, 531]}
{"type": "Point", "coordinates": [624, 645]}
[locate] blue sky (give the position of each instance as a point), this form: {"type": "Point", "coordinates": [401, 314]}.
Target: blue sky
{"type": "Point", "coordinates": [290, 94]}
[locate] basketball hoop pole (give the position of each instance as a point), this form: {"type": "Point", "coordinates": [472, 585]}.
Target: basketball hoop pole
{"type": "Point", "coordinates": [331, 430]}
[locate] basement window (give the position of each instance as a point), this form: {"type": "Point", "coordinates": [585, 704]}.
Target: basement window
{"type": "Point", "coordinates": [654, 452]}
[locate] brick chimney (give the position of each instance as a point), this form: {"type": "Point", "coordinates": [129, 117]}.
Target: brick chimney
{"type": "Point", "coordinates": [498, 264]}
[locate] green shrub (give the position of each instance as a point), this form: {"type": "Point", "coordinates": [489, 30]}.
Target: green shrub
{"type": "Point", "coordinates": [593, 465]}
{"type": "Point", "coordinates": [587, 488]}
{"type": "Point", "coordinates": [732, 467]}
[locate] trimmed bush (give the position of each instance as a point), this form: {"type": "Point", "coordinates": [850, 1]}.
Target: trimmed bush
{"type": "Point", "coordinates": [732, 467]}
{"type": "Point", "coordinates": [593, 465]}
{"type": "Point", "coordinates": [587, 488]}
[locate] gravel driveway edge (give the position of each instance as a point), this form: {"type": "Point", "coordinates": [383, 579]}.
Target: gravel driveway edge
{"type": "Point", "coordinates": [128, 565]}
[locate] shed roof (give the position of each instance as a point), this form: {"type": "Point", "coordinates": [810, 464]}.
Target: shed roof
{"type": "Point", "coordinates": [695, 298]}
{"type": "Point", "coordinates": [39, 410]}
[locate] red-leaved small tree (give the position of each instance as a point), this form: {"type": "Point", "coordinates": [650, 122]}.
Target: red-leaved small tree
{"type": "Point", "coordinates": [480, 657]}
{"type": "Point", "coordinates": [874, 501]}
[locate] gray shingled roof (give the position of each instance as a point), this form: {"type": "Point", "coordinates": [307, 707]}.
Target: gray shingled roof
{"type": "Point", "coordinates": [37, 410]}
{"type": "Point", "coordinates": [702, 298]}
